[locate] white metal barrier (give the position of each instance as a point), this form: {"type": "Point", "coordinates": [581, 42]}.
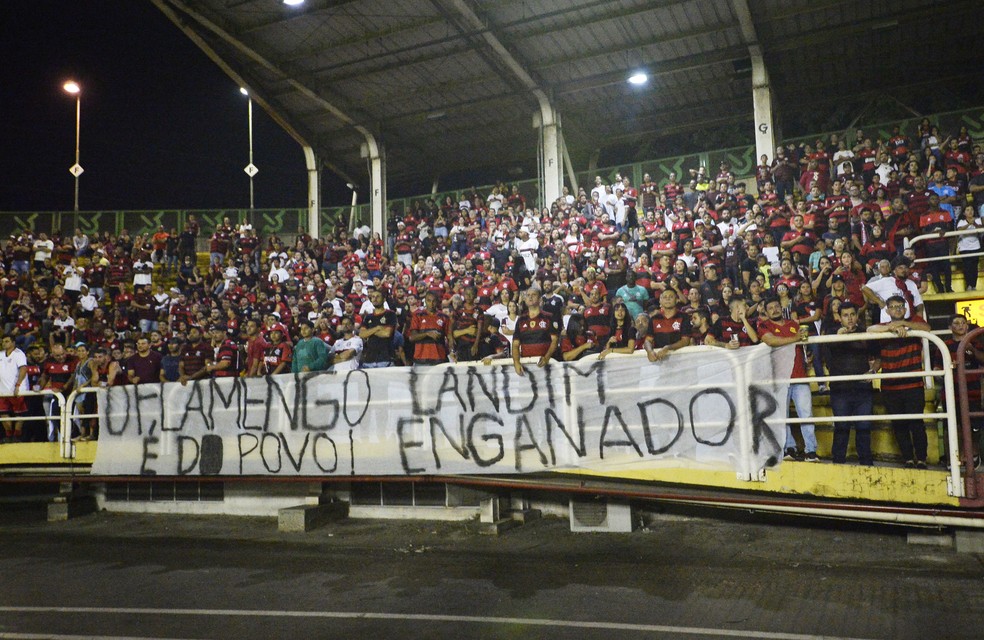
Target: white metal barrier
{"type": "Point", "coordinates": [955, 486]}
{"type": "Point", "coordinates": [64, 418]}
{"type": "Point", "coordinates": [949, 234]}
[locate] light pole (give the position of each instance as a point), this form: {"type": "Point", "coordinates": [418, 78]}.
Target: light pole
{"type": "Point", "coordinates": [72, 87]}
{"type": "Point", "coordinates": [250, 169]}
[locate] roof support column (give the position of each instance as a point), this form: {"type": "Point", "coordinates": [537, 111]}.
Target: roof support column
{"type": "Point", "coordinates": [765, 139]}
{"type": "Point", "coordinates": [373, 151]}
{"type": "Point", "coordinates": [551, 169]}
{"type": "Point", "coordinates": [314, 192]}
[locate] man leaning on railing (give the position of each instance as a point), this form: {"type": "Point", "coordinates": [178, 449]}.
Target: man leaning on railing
{"type": "Point", "coordinates": [904, 395]}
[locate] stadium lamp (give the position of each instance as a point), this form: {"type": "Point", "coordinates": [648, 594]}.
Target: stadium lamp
{"type": "Point", "coordinates": [293, 3]}
{"type": "Point", "coordinates": [638, 78]}
{"type": "Point", "coordinates": [72, 87]}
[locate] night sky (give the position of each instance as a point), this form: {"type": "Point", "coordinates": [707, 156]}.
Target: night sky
{"type": "Point", "coordinates": [162, 126]}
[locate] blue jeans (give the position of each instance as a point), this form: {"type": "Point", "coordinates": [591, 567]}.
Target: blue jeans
{"type": "Point", "coordinates": [852, 402]}
{"type": "Point", "coordinates": [802, 399]}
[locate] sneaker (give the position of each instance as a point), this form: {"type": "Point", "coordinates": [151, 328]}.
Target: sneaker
{"type": "Point", "coordinates": [920, 464]}
{"type": "Point", "coordinates": [811, 456]}
{"type": "Point", "coordinates": [823, 387]}
{"type": "Point", "coordinates": [790, 454]}
{"type": "Point", "coordinates": [910, 463]}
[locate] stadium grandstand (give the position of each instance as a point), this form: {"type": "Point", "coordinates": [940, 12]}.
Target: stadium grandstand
{"type": "Point", "coordinates": [865, 230]}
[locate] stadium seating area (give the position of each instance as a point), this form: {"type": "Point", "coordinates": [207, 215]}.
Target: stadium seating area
{"type": "Point", "coordinates": [817, 226]}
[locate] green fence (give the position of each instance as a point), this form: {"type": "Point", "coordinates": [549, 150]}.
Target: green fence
{"type": "Point", "coordinates": [266, 221]}
{"type": "Point", "coordinates": [288, 221]}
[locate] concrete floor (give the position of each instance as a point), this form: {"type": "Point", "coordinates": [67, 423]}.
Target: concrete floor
{"type": "Point", "coordinates": [151, 576]}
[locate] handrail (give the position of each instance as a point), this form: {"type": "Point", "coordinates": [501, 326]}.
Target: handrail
{"type": "Point", "coordinates": [58, 395]}
{"type": "Point", "coordinates": [946, 373]}
{"type": "Point", "coordinates": [950, 414]}
{"type": "Point", "coordinates": [65, 432]}
{"type": "Point", "coordinates": [948, 234]}
{"type": "Point", "coordinates": [970, 484]}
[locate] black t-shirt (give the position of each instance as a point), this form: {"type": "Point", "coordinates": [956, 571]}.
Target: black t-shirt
{"type": "Point", "coordinates": [978, 181]}
{"type": "Point", "coordinates": [848, 358]}
{"type": "Point", "coordinates": [378, 348]}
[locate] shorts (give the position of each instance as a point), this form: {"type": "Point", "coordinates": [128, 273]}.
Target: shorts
{"type": "Point", "coordinates": [13, 404]}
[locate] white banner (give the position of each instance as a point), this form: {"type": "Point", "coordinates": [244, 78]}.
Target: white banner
{"type": "Point", "coordinates": [704, 407]}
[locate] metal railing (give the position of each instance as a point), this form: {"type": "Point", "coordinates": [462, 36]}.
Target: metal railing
{"type": "Point", "coordinates": [60, 418]}
{"type": "Point", "coordinates": [956, 434]}
{"type": "Point", "coordinates": [949, 234]}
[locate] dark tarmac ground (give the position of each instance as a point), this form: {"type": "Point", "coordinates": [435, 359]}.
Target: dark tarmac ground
{"type": "Point", "coordinates": [171, 576]}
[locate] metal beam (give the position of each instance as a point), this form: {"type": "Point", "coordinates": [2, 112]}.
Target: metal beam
{"type": "Point", "coordinates": [464, 35]}
{"type": "Point", "coordinates": [546, 119]}
{"type": "Point", "coordinates": [293, 15]}
{"type": "Point", "coordinates": [675, 65]}
{"type": "Point", "coordinates": [227, 37]}
{"type": "Point", "coordinates": [294, 131]}
{"type": "Point", "coordinates": [667, 131]}
{"type": "Point", "coordinates": [843, 31]}
{"type": "Point", "coordinates": [636, 44]}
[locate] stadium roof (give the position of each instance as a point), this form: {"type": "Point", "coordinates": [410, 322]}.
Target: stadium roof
{"type": "Point", "coordinates": [451, 84]}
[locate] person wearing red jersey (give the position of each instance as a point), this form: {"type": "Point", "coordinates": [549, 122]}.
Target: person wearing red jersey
{"type": "Point", "coordinates": [776, 331]}
{"type": "Point", "coordinates": [799, 239]}
{"type": "Point", "coordinates": [736, 329]}
{"type": "Point", "coordinates": [225, 359]}
{"type": "Point", "coordinates": [536, 333]}
{"type": "Point", "coordinates": [669, 330]}
{"type": "Point", "coordinates": [194, 355]}
{"type": "Point", "coordinates": [936, 219]}
{"type": "Point", "coordinates": [899, 146]}
{"type": "Point", "coordinates": [904, 395]}
{"type": "Point", "coordinates": [429, 331]}
{"type": "Point", "coordinates": [255, 348]}
{"type": "Point", "coordinates": [55, 373]}
{"type": "Point", "coordinates": [466, 327]}
{"type": "Point", "coordinates": [672, 189]}
{"type": "Point", "coordinates": [973, 359]}
{"type": "Point", "coordinates": [837, 207]}
{"type": "Point", "coordinates": [279, 353]}
{"type": "Point", "coordinates": [597, 317]}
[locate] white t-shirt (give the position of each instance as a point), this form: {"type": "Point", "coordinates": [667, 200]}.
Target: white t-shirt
{"type": "Point", "coordinates": [64, 324]}
{"type": "Point", "coordinates": [355, 342]}
{"type": "Point", "coordinates": [9, 366]}
{"type": "Point", "coordinates": [88, 302]}
{"type": "Point", "coordinates": [971, 241]}
{"type": "Point", "coordinates": [43, 249]}
{"type": "Point", "coordinates": [886, 287]}
{"type": "Point", "coordinates": [495, 201]}
{"type": "Point", "coordinates": [527, 249]}
{"type": "Point", "coordinates": [73, 279]}
{"type": "Point", "coordinates": [142, 278]}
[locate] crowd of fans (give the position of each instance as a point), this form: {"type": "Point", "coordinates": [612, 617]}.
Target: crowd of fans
{"type": "Point", "coordinates": [699, 259]}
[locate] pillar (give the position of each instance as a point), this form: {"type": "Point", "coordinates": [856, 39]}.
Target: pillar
{"type": "Point", "coordinates": [765, 140]}
{"type": "Point", "coordinates": [551, 169]}
{"type": "Point", "coordinates": [373, 150]}
{"type": "Point", "coordinates": [314, 192]}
